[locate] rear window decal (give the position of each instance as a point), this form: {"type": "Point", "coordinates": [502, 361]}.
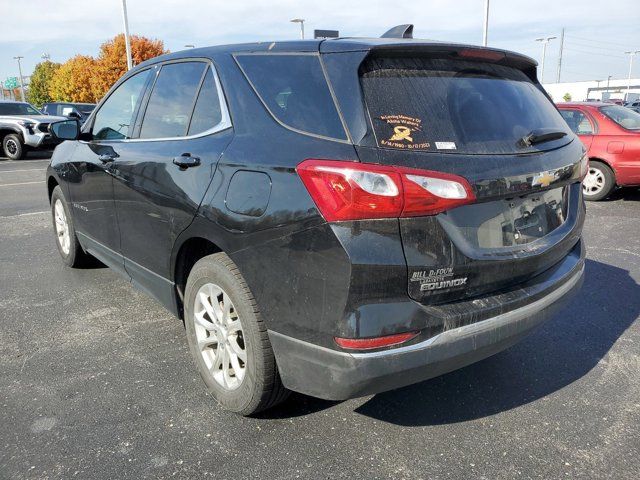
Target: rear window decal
{"type": "Point", "coordinates": [403, 132]}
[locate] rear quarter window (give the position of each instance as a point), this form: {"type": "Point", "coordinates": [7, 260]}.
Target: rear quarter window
{"type": "Point", "coordinates": [454, 106]}
{"type": "Point", "coordinates": [295, 91]}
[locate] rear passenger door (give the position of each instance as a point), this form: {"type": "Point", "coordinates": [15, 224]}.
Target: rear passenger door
{"type": "Point", "coordinates": [163, 173]}
{"type": "Point", "coordinates": [580, 124]}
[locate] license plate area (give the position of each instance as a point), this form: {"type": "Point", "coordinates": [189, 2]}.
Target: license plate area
{"type": "Point", "coordinates": [510, 222]}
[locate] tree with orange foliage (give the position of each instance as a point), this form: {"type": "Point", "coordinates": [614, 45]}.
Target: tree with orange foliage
{"type": "Point", "coordinates": [111, 63]}
{"type": "Point", "coordinates": [74, 81]}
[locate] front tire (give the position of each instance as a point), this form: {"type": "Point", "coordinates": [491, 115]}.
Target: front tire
{"type": "Point", "coordinates": [13, 147]}
{"type": "Point", "coordinates": [599, 181]}
{"type": "Point", "coordinates": [66, 239]}
{"type": "Point", "coordinates": [228, 339]}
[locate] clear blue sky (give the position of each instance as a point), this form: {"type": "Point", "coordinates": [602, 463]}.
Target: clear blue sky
{"type": "Point", "coordinates": [597, 33]}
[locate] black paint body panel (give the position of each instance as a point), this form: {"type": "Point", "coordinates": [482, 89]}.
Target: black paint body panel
{"type": "Point", "coordinates": [312, 280]}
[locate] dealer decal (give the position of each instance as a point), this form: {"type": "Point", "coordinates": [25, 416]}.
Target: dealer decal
{"type": "Point", "coordinates": [403, 133]}
{"type": "Point", "coordinates": [437, 279]}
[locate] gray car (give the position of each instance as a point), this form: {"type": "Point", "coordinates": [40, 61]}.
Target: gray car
{"type": "Point", "coordinates": [24, 128]}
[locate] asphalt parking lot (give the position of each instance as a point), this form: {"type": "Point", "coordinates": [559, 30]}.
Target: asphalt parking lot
{"type": "Point", "coordinates": [97, 382]}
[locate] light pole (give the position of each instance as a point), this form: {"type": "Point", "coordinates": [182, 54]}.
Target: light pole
{"type": "Point", "coordinates": [126, 34]}
{"type": "Point", "coordinates": [485, 30]}
{"type": "Point", "coordinates": [301, 22]}
{"type": "Point", "coordinates": [189, 46]}
{"type": "Point", "coordinates": [631, 55]}
{"type": "Point", "coordinates": [21, 80]}
{"type": "Point", "coordinates": [544, 41]}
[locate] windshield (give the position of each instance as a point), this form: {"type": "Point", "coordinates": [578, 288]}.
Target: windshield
{"type": "Point", "coordinates": [455, 106]}
{"type": "Point", "coordinates": [86, 109]}
{"type": "Point", "coordinates": [18, 109]}
{"type": "Point", "coordinates": [623, 116]}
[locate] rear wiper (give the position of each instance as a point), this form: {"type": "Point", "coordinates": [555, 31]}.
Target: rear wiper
{"type": "Point", "coordinates": [540, 135]}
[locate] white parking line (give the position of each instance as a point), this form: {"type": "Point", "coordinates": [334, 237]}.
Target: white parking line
{"type": "Point", "coordinates": [24, 214]}
{"type": "Point", "coordinates": [23, 183]}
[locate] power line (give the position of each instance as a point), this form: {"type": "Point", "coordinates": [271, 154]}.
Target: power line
{"type": "Point", "coordinates": [593, 53]}
{"type": "Point", "coordinates": [623, 45]}
{"type": "Point", "coordinates": [607, 49]}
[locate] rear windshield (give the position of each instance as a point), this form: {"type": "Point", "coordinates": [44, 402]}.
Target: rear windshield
{"type": "Point", "coordinates": [294, 89]}
{"type": "Point", "coordinates": [455, 106]}
{"type": "Point", "coordinates": [623, 116]}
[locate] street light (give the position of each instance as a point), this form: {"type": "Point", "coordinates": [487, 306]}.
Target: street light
{"type": "Point", "coordinates": [544, 41]}
{"type": "Point", "coordinates": [485, 30]}
{"type": "Point", "coordinates": [631, 54]}
{"type": "Point", "coordinates": [189, 46]}
{"type": "Point", "coordinates": [126, 35]}
{"type": "Point", "coordinates": [21, 80]}
{"type": "Point", "coordinates": [301, 22]}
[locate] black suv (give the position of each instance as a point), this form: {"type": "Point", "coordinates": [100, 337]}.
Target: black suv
{"type": "Point", "coordinates": [336, 217]}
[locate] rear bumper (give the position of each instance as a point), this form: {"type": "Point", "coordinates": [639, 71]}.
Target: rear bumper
{"type": "Point", "coordinates": [336, 375]}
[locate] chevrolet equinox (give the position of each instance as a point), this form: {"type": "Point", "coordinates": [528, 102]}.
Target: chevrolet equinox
{"type": "Point", "coordinates": [334, 217]}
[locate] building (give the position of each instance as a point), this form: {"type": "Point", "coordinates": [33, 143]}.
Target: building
{"type": "Point", "coordinates": [594, 90]}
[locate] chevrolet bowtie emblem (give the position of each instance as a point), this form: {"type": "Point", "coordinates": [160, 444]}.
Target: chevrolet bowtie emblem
{"type": "Point", "coordinates": [401, 133]}
{"type": "Point", "coordinates": [543, 180]}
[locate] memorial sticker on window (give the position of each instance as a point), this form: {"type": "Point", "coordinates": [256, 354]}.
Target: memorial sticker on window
{"type": "Point", "coordinates": [404, 132]}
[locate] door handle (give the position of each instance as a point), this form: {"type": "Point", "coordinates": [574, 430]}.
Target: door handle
{"type": "Point", "coordinates": [186, 160]}
{"type": "Point", "coordinates": [108, 157]}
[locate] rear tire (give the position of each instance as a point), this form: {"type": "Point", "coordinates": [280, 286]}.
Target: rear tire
{"type": "Point", "coordinates": [66, 239]}
{"type": "Point", "coordinates": [228, 339]}
{"type": "Point", "coordinates": [599, 181]}
{"type": "Point", "coordinates": [13, 147]}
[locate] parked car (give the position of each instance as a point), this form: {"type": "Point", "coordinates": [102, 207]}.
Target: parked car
{"type": "Point", "coordinates": [23, 128]}
{"type": "Point", "coordinates": [335, 217]}
{"type": "Point", "coordinates": [611, 134]}
{"type": "Point", "coordinates": [80, 111]}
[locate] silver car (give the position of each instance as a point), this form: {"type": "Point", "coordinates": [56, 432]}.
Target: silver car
{"type": "Point", "coordinates": [24, 128]}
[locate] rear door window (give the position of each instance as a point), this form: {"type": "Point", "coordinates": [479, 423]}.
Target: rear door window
{"type": "Point", "coordinates": [577, 121]}
{"type": "Point", "coordinates": [208, 110]}
{"type": "Point", "coordinates": [172, 100]}
{"type": "Point", "coordinates": [295, 91]}
{"type": "Point", "coordinates": [454, 106]}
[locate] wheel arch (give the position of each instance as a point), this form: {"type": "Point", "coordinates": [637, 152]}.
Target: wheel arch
{"type": "Point", "coordinates": [608, 164]}
{"type": "Point", "coordinates": [7, 130]}
{"type": "Point", "coordinates": [52, 183]}
{"type": "Point", "coordinates": [186, 252]}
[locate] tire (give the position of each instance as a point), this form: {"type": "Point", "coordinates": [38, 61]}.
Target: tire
{"type": "Point", "coordinates": [599, 181]}
{"type": "Point", "coordinates": [13, 147]}
{"type": "Point", "coordinates": [66, 239]}
{"type": "Point", "coordinates": [249, 385]}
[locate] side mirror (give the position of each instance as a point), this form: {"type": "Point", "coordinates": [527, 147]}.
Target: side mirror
{"type": "Point", "coordinates": [65, 130]}
{"type": "Point", "coordinates": [74, 114]}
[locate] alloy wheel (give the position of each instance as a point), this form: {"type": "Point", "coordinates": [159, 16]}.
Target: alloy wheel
{"type": "Point", "coordinates": [12, 146]}
{"type": "Point", "coordinates": [221, 341]}
{"type": "Point", "coordinates": [593, 182]}
{"type": "Point", "coordinates": [62, 227]}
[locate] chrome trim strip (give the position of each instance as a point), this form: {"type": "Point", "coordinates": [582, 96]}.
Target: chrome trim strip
{"type": "Point", "coordinates": [460, 332]}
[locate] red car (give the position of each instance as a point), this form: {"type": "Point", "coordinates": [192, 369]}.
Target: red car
{"type": "Point", "coordinates": [611, 134]}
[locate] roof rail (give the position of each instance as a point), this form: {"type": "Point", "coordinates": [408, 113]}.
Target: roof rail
{"type": "Point", "coordinates": [399, 31]}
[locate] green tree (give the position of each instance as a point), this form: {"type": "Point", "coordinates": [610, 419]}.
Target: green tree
{"type": "Point", "coordinates": [39, 86]}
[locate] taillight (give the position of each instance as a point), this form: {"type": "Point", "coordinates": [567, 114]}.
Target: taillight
{"type": "Point", "coordinates": [375, 342]}
{"type": "Point", "coordinates": [355, 191]}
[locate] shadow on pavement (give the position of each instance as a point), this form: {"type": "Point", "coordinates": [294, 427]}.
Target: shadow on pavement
{"type": "Point", "coordinates": [562, 351]}
{"type": "Point", "coordinates": [37, 155]}
{"type": "Point", "coordinates": [626, 193]}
